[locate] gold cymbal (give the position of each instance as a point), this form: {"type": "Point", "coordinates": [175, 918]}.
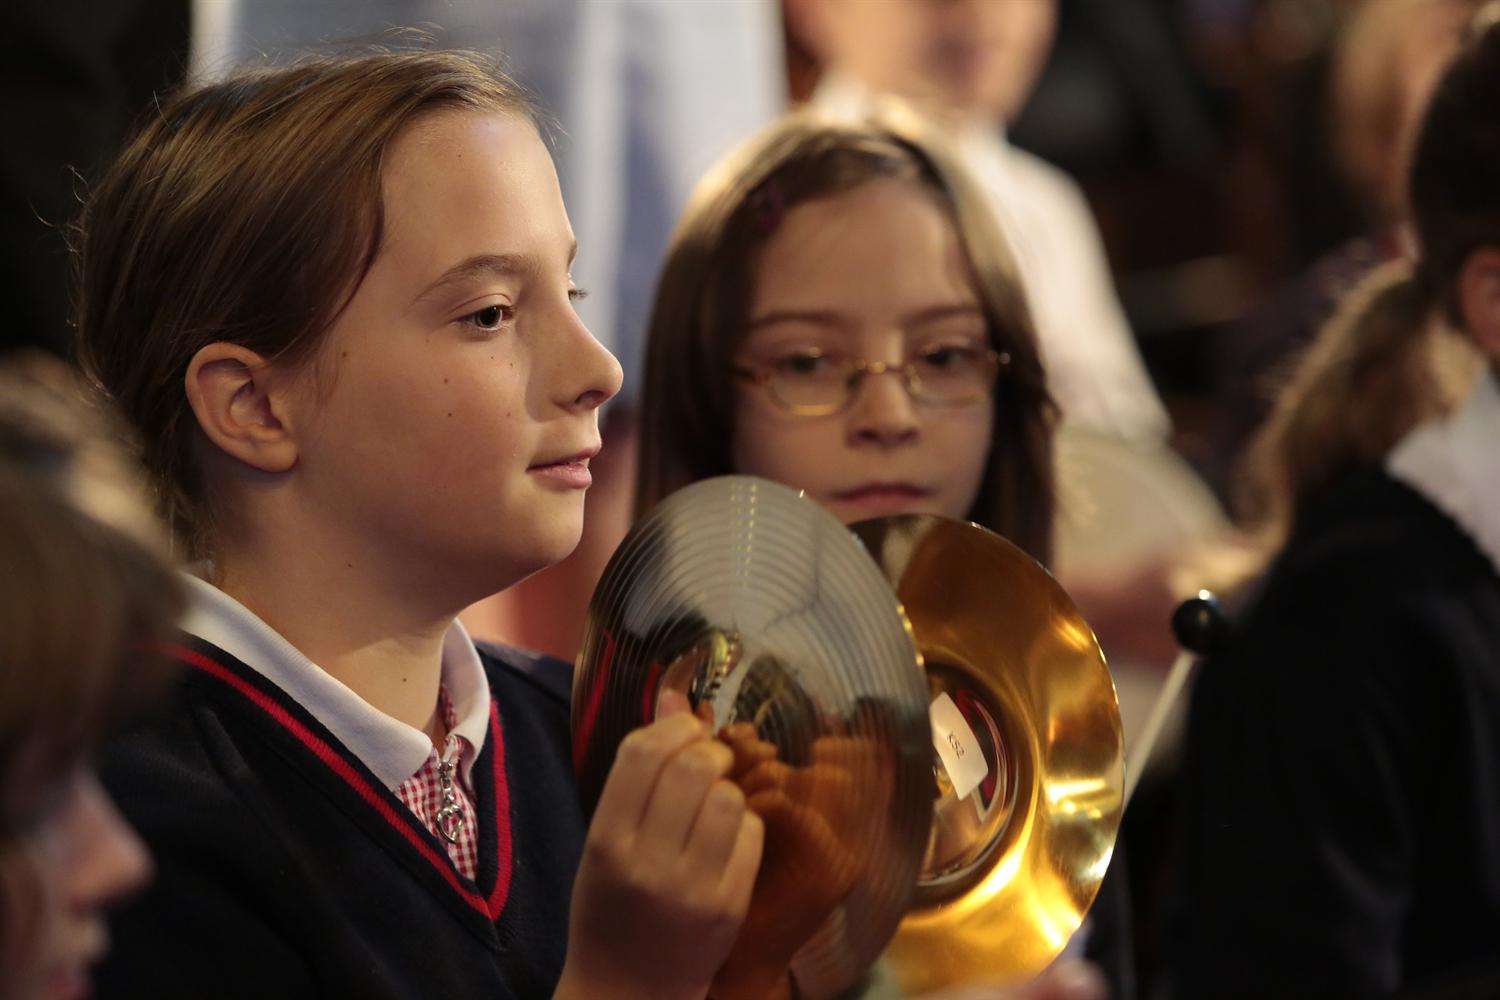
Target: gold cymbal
{"type": "Point", "coordinates": [767, 613]}
{"type": "Point", "coordinates": [1031, 771]}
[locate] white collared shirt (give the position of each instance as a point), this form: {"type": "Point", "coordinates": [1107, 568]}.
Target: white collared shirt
{"type": "Point", "coordinates": [1093, 367]}
{"type": "Point", "coordinates": [1455, 463]}
{"type": "Point", "coordinates": [391, 749]}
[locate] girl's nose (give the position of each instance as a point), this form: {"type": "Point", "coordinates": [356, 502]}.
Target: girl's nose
{"type": "Point", "coordinates": [590, 374]}
{"type": "Point", "coordinates": [882, 411]}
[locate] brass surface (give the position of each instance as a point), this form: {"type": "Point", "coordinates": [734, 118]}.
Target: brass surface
{"type": "Point", "coordinates": [767, 613]}
{"type": "Point", "coordinates": [772, 618]}
{"type": "Point", "coordinates": [1012, 868]}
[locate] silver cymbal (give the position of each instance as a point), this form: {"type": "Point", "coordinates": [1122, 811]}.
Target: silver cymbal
{"type": "Point", "coordinates": [765, 611]}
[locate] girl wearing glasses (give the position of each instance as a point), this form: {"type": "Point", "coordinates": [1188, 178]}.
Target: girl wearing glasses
{"type": "Point", "coordinates": [838, 312]}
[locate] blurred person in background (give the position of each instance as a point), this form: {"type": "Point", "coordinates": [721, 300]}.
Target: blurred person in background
{"type": "Point", "coordinates": [1384, 62]}
{"type": "Point", "coordinates": [85, 585]}
{"type": "Point", "coordinates": [1341, 814]}
{"type": "Point", "coordinates": [780, 303]}
{"type": "Point", "coordinates": [1128, 507]}
{"type": "Point", "coordinates": [972, 65]}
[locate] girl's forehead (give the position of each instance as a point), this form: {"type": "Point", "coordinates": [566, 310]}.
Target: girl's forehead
{"type": "Point", "coordinates": [887, 240]}
{"type": "Point", "coordinates": [467, 153]}
{"type": "Point", "coordinates": [464, 184]}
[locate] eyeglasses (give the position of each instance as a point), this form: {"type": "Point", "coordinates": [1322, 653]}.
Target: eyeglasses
{"type": "Point", "coordinates": [812, 384]}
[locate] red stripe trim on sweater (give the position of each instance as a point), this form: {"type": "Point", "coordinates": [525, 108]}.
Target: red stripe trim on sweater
{"type": "Point", "coordinates": [501, 891]}
{"type": "Point", "coordinates": [341, 767]}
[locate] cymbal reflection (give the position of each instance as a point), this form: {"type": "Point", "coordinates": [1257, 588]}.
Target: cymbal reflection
{"type": "Point", "coordinates": [1029, 766]}
{"type": "Point", "coordinates": [761, 607]}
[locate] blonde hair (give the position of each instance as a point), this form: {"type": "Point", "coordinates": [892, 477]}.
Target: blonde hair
{"type": "Point", "coordinates": [702, 300]}
{"type": "Point", "coordinates": [1393, 356]}
{"type": "Point", "coordinates": [1382, 365]}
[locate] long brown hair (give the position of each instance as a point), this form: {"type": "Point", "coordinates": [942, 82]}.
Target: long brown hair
{"type": "Point", "coordinates": [85, 594]}
{"type": "Point", "coordinates": [247, 211]}
{"type": "Point", "coordinates": [703, 298]}
{"type": "Point", "coordinates": [1391, 357]}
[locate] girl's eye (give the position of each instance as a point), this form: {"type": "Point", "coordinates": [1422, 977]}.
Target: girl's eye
{"type": "Point", "coordinates": [578, 294]}
{"type": "Point", "coordinates": [949, 356]}
{"type": "Point", "coordinates": [490, 317]}
{"type": "Point", "coordinates": [802, 364]}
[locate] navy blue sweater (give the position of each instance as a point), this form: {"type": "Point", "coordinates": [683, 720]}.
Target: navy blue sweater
{"type": "Point", "coordinates": [1342, 774]}
{"type": "Point", "coordinates": [286, 869]}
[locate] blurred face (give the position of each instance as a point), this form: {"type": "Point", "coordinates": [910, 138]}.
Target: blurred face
{"type": "Point", "coordinates": [452, 414]}
{"type": "Point", "coordinates": [75, 856]}
{"type": "Point", "coordinates": [876, 274]}
{"type": "Point", "coordinates": [976, 58]}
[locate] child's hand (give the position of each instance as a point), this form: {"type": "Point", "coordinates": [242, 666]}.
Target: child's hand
{"type": "Point", "coordinates": [667, 869]}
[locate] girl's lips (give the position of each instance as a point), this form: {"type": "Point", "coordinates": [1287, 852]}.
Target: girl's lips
{"type": "Point", "coordinates": [884, 490]}
{"type": "Point", "coordinates": [883, 498]}
{"type": "Point", "coordinates": [70, 982]}
{"type": "Point", "coordinates": [572, 474]}
{"type": "Point", "coordinates": [68, 978]}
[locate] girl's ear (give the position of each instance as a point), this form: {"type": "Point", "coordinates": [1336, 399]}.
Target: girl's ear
{"type": "Point", "coordinates": [237, 398]}
{"type": "Point", "coordinates": [1479, 299]}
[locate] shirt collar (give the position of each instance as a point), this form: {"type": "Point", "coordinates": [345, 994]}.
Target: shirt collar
{"type": "Point", "coordinates": [391, 749]}
{"type": "Point", "coordinates": [1455, 463]}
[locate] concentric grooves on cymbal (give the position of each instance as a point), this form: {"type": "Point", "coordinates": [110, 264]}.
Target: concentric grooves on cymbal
{"type": "Point", "coordinates": [759, 604]}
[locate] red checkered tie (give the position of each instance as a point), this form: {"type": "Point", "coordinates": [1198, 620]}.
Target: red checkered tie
{"type": "Point", "coordinates": [439, 796]}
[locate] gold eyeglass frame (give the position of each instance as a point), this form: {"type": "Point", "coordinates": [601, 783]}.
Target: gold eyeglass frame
{"type": "Point", "coordinates": [859, 369]}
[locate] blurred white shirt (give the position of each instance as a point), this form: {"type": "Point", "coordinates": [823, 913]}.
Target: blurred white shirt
{"type": "Point", "coordinates": [1093, 367]}
{"type": "Point", "coordinates": [1454, 463]}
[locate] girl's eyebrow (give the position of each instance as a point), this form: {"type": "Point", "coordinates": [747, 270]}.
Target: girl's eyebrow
{"type": "Point", "coordinates": [497, 264]}
{"type": "Point", "coordinates": [931, 314]}
{"type": "Point", "coordinates": [817, 317]}
{"type": "Point", "coordinates": [827, 317]}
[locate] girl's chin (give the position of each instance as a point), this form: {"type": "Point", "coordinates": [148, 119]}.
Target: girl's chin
{"type": "Point", "coordinates": [553, 546]}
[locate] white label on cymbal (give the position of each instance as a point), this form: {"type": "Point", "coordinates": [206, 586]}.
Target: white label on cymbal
{"type": "Point", "coordinates": [956, 746]}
